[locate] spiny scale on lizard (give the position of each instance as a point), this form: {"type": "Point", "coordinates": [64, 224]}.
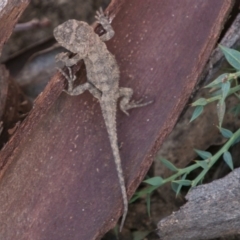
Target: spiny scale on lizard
{"type": "Point", "coordinates": [102, 78]}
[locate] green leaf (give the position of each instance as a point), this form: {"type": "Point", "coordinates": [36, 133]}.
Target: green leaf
{"type": "Point", "coordinates": [145, 191]}
{"type": "Point", "coordinates": [116, 230]}
{"type": "Point", "coordinates": [218, 80]}
{"type": "Point", "coordinates": [155, 181]}
{"type": "Point", "coordinates": [225, 89]}
{"type": "Point", "coordinates": [203, 154]}
{"type": "Point", "coordinates": [148, 199]}
{"type": "Point", "coordinates": [196, 113]}
{"type": "Point", "coordinates": [178, 184]}
{"type": "Point", "coordinates": [221, 107]}
{"type": "Point", "coordinates": [216, 93]}
{"type": "Point", "coordinates": [176, 187]}
{"type": "Point", "coordinates": [232, 56]}
{"type": "Point", "coordinates": [202, 164]}
{"type": "Point", "coordinates": [169, 165]}
{"type": "Point", "coordinates": [134, 198]}
{"type": "Point", "coordinates": [183, 182]}
{"type": "Point", "coordinates": [226, 133]}
{"type": "Point", "coordinates": [228, 159]}
{"type": "Point", "coordinates": [184, 176]}
{"type": "Point", "coordinates": [237, 140]}
{"type": "Point", "coordinates": [199, 102]}
{"type": "Point", "coordinates": [140, 235]}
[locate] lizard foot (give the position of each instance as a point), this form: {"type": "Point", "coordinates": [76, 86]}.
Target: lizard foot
{"type": "Point", "coordinates": [105, 21]}
{"type": "Point", "coordinates": [62, 57]}
{"type": "Point", "coordinates": [101, 17]}
{"type": "Point", "coordinates": [133, 104]}
{"type": "Point", "coordinates": [70, 78]}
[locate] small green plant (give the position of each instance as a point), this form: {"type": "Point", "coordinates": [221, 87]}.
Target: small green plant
{"type": "Point", "coordinates": [223, 86]}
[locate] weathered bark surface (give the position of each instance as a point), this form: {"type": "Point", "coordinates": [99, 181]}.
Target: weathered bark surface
{"type": "Point", "coordinates": [13, 105]}
{"type": "Point", "coordinates": [58, 178]}
{"type": "Point", "coordinates": [10, 11]}
{"type": "Point", "coordinates": [212, 211]}
{"type": "Point", "coordinates": [11, 97]}
{"type": "Point", "coordinates": [4, 75]}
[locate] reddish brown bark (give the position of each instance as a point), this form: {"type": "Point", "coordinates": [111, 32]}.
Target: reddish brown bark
{"type": "Point", "coordinates": [10, 11]}
{"type": "Point", "coordinates": [13, 103]}
{"type": "Point", "coordinates": [58, 178]}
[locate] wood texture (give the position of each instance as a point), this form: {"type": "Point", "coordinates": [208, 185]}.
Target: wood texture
{"type": "Point", "coordinates": [10, 11]}
{"type": "Point", "coordinates": [4, 76]}
{"type": "Point", "coordinates": [212, 211]}
{"type": "Point", "coordinates": [11, 97]}
{"type": "Point", "coordinates": [13, 105]}
{"type": "Point", "coordinates": [58, 178]}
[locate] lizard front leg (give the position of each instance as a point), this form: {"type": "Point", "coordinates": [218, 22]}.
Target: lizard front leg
{"type": "Point", "coordinates": [105, 22]}
{"type": "Point", "coordinates": [80, 88]}
{"type": "Point", "coordinates": [64, 57]}
{"type": "Point", "coordinates": [125, 103]}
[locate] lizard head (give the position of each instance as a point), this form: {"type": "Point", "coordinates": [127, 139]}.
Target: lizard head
{"type": "Point", "coordinates": [74, 35]}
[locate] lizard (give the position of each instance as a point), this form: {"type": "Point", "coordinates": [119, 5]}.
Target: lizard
{"type": "Point", "coordinates": [102, 78]}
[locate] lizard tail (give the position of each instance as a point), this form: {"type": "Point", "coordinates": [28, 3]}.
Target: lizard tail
{"type": "Point", "coordinates": [123, 188]}
{"type": "Point", "coordinates": [110, 121]}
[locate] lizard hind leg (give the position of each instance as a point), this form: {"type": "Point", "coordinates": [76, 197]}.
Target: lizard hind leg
{"type": "Point", "coordinates": [126, 104]}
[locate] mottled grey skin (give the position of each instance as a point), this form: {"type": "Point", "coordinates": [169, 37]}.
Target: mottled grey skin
{"type": "Point", "coordinates": [102, 78]}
